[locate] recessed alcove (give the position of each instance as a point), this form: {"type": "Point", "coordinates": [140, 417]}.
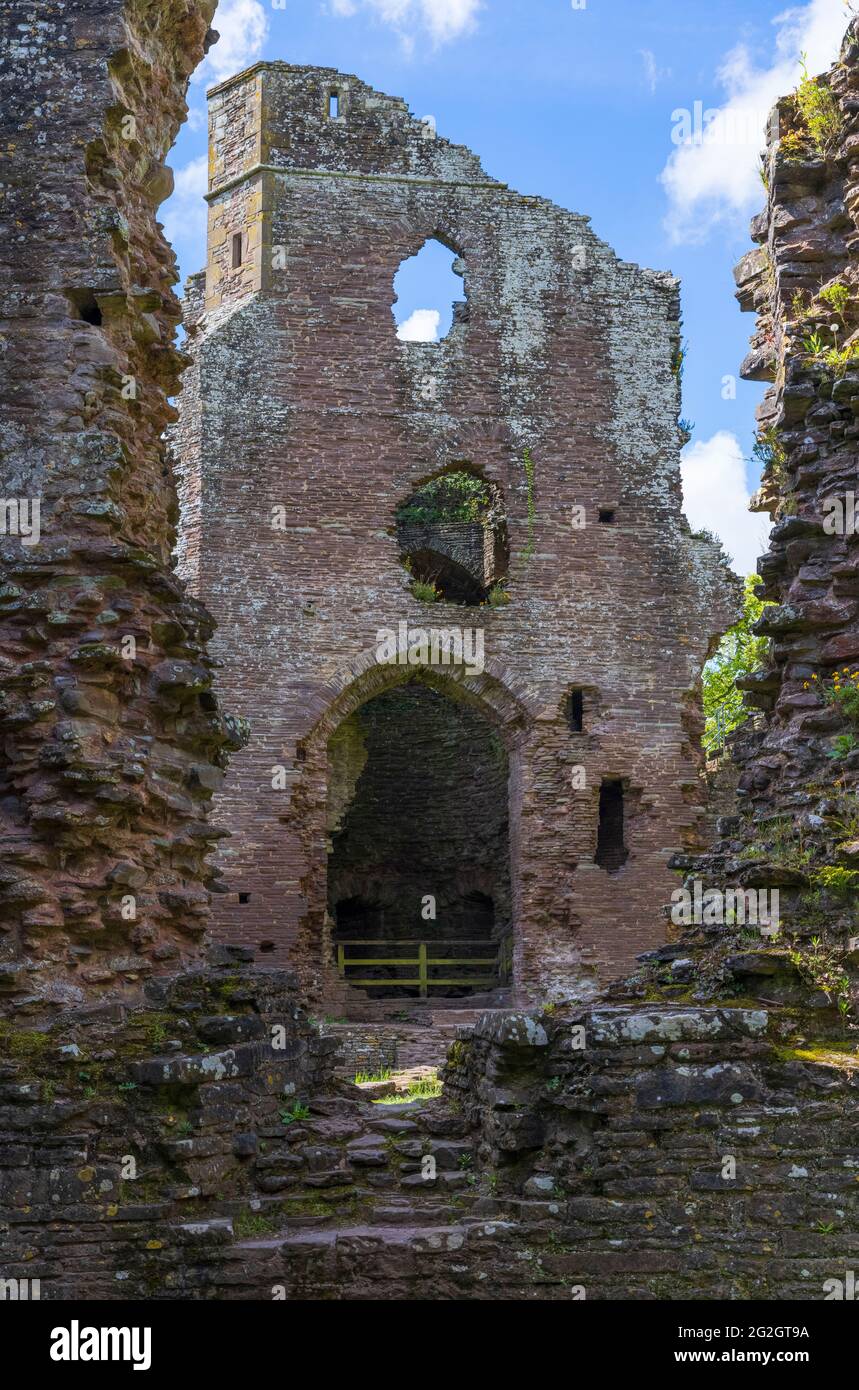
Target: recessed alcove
{"type": "Point", "coordinates": [419, 867]}
{"type": "Point", "coordinates": [452, 535]}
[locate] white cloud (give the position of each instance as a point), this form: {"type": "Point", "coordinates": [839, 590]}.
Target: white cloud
{"type": "Point", "coordinates": [243, 27]}
{"type": "Point", "coordinates": [184, 213]}
{"type": "Point", "coordinates": [715, 498]}
{"type": "Point", "coordinates": [441, 20]}
{"type": "Point", "coordinates": [653, 73]}
{"type": "Point", "coordinates": [420, 327]}
{"type": "Point", "coordinates": [713, 178]}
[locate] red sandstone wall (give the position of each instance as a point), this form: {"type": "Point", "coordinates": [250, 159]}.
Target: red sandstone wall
{"type": "Point", "coordinates": [301, 396]}
{"type": "Point", "coordinates": [109, 751]}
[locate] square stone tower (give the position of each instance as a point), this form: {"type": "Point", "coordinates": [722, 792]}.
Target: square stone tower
{"type": "Point", "coordinates": [457, 598]}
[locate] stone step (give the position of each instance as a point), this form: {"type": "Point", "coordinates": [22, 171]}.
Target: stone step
{"type": "Point", "coordinates": [414, 1235]}
{"type": "Point", "coordinates": [415, 1214]}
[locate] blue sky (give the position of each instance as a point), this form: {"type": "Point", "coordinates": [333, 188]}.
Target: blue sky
{"type": "Point", "coordinates": [583, 102]}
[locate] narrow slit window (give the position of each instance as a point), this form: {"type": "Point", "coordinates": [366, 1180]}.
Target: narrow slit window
{"type": "Point", "coordinates": [611, 853]}
{"type": "Point", "coordinates": [237, 250]}
{"type": "Point", "coordinates": [333, 106]}
{"type": "Point", "coordinates": [576, 711]}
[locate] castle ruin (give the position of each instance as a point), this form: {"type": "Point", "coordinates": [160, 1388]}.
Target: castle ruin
{"type": "Point", "coordinates": [170, 1127]}
{"type": "Point", "coordinates": [533, 786]}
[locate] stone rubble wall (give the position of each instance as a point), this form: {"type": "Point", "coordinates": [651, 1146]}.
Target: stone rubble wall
{"type": "Point", "coordinates": [807, 239]}
{"type": "Point", "coordinates": [571, 1157]}
{"type": "Point", "coordinates": [795, 828]}
{"type": "Point", "coordinates": [617, 1124]}
{"type": "Point", "coordinates": [112, 741]}
{"type": "Point", "coordinates": [190, 1086]}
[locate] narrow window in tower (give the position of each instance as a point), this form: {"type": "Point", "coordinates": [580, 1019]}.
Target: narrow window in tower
{"type": "Point", "coordinates": [607, 516]}
{"type": "Point", "coordinates": [237, 250]}
{"type": "Point", "coordinates": [611, 853]}
{"type": "Point", "coordinates": [576, 711]}
{"type": "Point", "coordinates": [333, 106]}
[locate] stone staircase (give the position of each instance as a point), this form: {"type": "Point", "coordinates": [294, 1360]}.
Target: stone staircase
{"type": "Point", "coordinates": [373, 1046]}
{"type": "Point", "coordinates": [351, 1185]}
{"type": "Point", "coordinates": [579, 1154]}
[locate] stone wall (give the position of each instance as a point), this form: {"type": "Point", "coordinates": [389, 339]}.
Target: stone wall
{"type": "Point", "coordinates": [796, 830]}
{"type": "Point", "coordinates": [686, 1154]}
{"type": "Point", "coordinates": [306, 423]}
{"type": "Point", "coordinates": [807, 239]}
{"type": "Point", "coordinates": [619, 1153]}
{"type": "Point", "coordinates": [112, 743]}
{"type": "Point", "coordinates": [132, 1140]}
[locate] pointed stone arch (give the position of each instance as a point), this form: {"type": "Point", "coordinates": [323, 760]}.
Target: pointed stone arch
{"type": "Point", "coordinates": [485, 694]}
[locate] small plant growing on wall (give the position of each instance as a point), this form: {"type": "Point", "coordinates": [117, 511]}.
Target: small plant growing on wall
{"type": "Point", "coordinates": [770, 453]}
{"type": "Point", "coordinates": [793, 147]}
{"type": "Point", "coordinates": [841, 692]}
{"type": "Point", "coordinates": [837, 297]}
{"type": "Point", "coordinates": [836, 881]}
{"type": "Point", "coordinates": [296, 1112]}
{"type": "Point", "coordinates": [528, 462]}
{"type": "Point", "coordinates": [821, 967]}
{"type": "Point", "coordinates": [425, 593]}
{"type": "Point", "coordinates": [453, 497]}
{"type": "Point", "coordinates": [842, 746]}
{"type": "Point", "coordinates": [818, 110]}
{"type": "Point", "coordinates": [832, 356]}
{"type": "Point", "coordinates": [800, 305]}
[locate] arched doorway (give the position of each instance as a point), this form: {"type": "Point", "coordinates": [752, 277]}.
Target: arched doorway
{"type": "Point", "coordinates": [419, 896]}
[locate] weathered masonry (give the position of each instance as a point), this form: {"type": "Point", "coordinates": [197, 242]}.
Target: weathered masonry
{"type": "Point", "coordinates": [561, 1168]}
{"type": "Point", "coordinates": [111, 741]}
{"type": "Point", "coordinates": [495, 780]}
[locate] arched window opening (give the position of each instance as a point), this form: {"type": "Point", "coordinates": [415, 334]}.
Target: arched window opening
{"type": "Point", "coordinates": [427, 294]}
{"type": "Point", "coordinates": [419, 867]}
{"type": "Point", "coordinates": [452, 535]}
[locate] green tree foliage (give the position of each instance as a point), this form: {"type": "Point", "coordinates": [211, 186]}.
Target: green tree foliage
{"type": "Point", "coordinates": [452, 497]}
{"type": "Point", "coordinates": [740, 652]}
